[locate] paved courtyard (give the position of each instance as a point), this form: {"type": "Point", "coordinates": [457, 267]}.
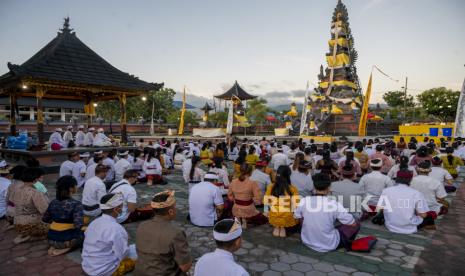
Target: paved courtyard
{"type": "Point", "coordinates": [263, 254]}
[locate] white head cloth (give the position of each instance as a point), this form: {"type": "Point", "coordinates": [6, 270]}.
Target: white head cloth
{"type": "Point", "coordinates": [210, 175]}
{"type": "Point", "coordinates": [113, 202]}
{"type": "Point", "coordinates": [234, 233]}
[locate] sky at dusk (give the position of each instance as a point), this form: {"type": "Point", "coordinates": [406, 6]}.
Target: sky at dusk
{"type": "Point", "coordinates": [271, 47]}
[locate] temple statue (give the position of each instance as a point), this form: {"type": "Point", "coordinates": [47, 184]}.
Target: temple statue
{"type": "Point", "coordinates": [338, 90]}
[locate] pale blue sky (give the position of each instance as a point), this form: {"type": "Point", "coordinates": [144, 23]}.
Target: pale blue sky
{"type": "Point", "coordinates": [267, 45]}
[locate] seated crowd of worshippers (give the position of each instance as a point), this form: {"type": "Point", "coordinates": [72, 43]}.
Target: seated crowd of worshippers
{"type": "Point", "coordinates": [91, 138]}
{"type": "Point", "coordinates": [403, 185]}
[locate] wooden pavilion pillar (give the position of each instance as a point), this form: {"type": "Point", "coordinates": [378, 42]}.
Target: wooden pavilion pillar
{"type": "Point", "coordinates": [88, 110]}
{"type": "Point", "coordinates": [13, 112]}
{"type": "Point", "coordinates": [40, 92]}
{"type": "Point", "coordinates": [123, 122]}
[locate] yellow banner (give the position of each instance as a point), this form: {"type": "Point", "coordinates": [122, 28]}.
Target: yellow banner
{"type": "Point", "coordinates": [362, 127]}
{"type": "Point", "coordinates": [183, 111]}
{"type": "Point", "coordinates": [341, 59]}
{"type": "Point", "coordinates": [325, 84]}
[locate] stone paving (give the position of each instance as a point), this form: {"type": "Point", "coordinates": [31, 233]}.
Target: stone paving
{"type": "Point", "coordinates": [263, 254]}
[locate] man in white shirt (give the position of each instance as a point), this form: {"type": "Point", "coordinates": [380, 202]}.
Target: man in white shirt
{"type": "Point", "coordinates": [263, 179]}
{"type": "Point", "coordinates": [227, 234]}
{"type": "Point", "coordinates": [80, 169]}
{"type": "Point", "coordinates": [80, 136]}
{"type": "Point", "coordinates": [89, 138]}
{"type": "Point", "coordinates": [285, 147]}
{"type": "Point", "coordinates": [442, 175]}
{"type": "Point", "coordinates": [122, 165]}
{"type": "Point", "coordinates": [55, 141]}
{"type": "Point", "coordinates": [279, 159]}
{"type": "Point", "coordinates": [110, 163]}
{"type": "Point", "coordinates": [98, 153]}
{"type": "Point", "coordinates": [90, 171]}
{"type": "Point", "coordinates": [68, 136]}
{"type": "Point", "coordinates": [432, 190]}
{"type": "Point", "coordinates": [101, 140]}
{"type": "Point", "coordinates": [129, 212]}
{"type": "Point", "coordinates": [67, 167]}
{"type": "Point", "coordinates": [106, 241]}
{"type": "Point", "coordinates": [302, 179]}
{"type": "Point", "coordinates": [94, 190]}
{"type": "Point", "coordinates": [404, 208]}
{"type": "Point", "coordinates": [374, 183]}
{"type": "Point", "coordinates": [323, 236]}
{"type": "Point", "coordinates": [205, 201]}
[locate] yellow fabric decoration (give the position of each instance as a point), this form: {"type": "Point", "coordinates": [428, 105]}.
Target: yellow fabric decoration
{"type": "Point", "coordinates": [341, 59]}
{"type": "Point", "coordinates": [312, 125]}
{"type": "Point", "coordinates": [293, 112]}
{"type": "Point", "coordinates": [336, 110]}
{"type": "Point", "coordinates": [340, 41]}
{"type": "Point", "coordinates": [316, 98]}
{"type": "Point", "coordinates": [325, 84]}
{"type": "Point", "coordinates": [89, 109]}
{"type": "Point", "coordinates": [56, 226]}
{"type": "Point", "coordinates": [353, 105]}
{"type": "Point", "coordinates": [125, 266]}
{"type": "Point", "coordinates": [362, 127]}
{"type": "Point", "coordinates": [324, 109]}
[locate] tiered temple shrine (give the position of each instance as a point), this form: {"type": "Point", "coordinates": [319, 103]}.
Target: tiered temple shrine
{"type": "Point", "coordinates": [334, 106]}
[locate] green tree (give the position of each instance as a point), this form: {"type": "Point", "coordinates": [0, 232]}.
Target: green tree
{"type": "Point", "coordinates": [396, 99]}
{"type": "Point", "coordinates": [162, 101]}
{"type": "Point", "coordinates": [109, 110]}
{"type": "Point", "coordinates": [189, 117]}
{"type": "Point", "coordinates": [137, 108]}
{"type": "Point", "coordinates": [440, 103]}
{"type": "Point", "coordinates": [256, 111]}
{"type": "Point", "coordinates": [219, 119]}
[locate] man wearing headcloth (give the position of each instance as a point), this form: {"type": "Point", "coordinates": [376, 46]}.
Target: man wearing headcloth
{"type": "Point", "coordinates": [350, 191]}
{"type": "Point", "coordinates": [56, 141]}
{"type": "Point", "coordinates": [206, 201]}
{"type": "Point", "coordinates": [122, 165]}
{"type": "Point", "coordinates": [374, 183]}
{"type": "Point", "coordinates": [105, 248]}
{"type": "Point", "coordinates": [335, 227]}
{"type": "Point", "coordinates": [80, 169]}
{"type": "Point", "coordinates": [80, 136]}
{"type": "Point", "coordinates": [405, 209]}
{"type": "Point", "coordinates": [227, 235]}
{"type": "Point", "coordinates": [94, 190]}
{"type": "Point", "coordinates": [161, 245]}
{"type": "Point", "coordinates": [89, 138]}
{"type": "Point", "coordinates": [433, 190]}
{"type": "Point", "coordinates": [68, 137]}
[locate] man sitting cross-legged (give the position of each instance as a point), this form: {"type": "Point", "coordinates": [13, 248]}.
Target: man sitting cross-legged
{"type": "Point", "coordinates": [205, 201]}
{"type": "Point", "coordinates": [404, 208]}
{"type": "Point", "coordinates": [318, 213]}
{"type": "Point", "coordinates": [432, 190]}
{"type": "Point", "coordinates": [162, 247]}
{"type": "Point", "coordinates": [106, 247]}
{"type": "Point", "coordinates": [227, 235]}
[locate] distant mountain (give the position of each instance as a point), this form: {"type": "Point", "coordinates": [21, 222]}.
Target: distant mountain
{"type": "Point", "coordinates": [193, 100]}
{"type": "Point", "coordinates": [178, 104]}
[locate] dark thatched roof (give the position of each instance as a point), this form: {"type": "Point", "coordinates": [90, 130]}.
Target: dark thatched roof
{"type": "Point", "coordinates": [66, 59]}
{"type": "Point", "coordinates": [236, 91]}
